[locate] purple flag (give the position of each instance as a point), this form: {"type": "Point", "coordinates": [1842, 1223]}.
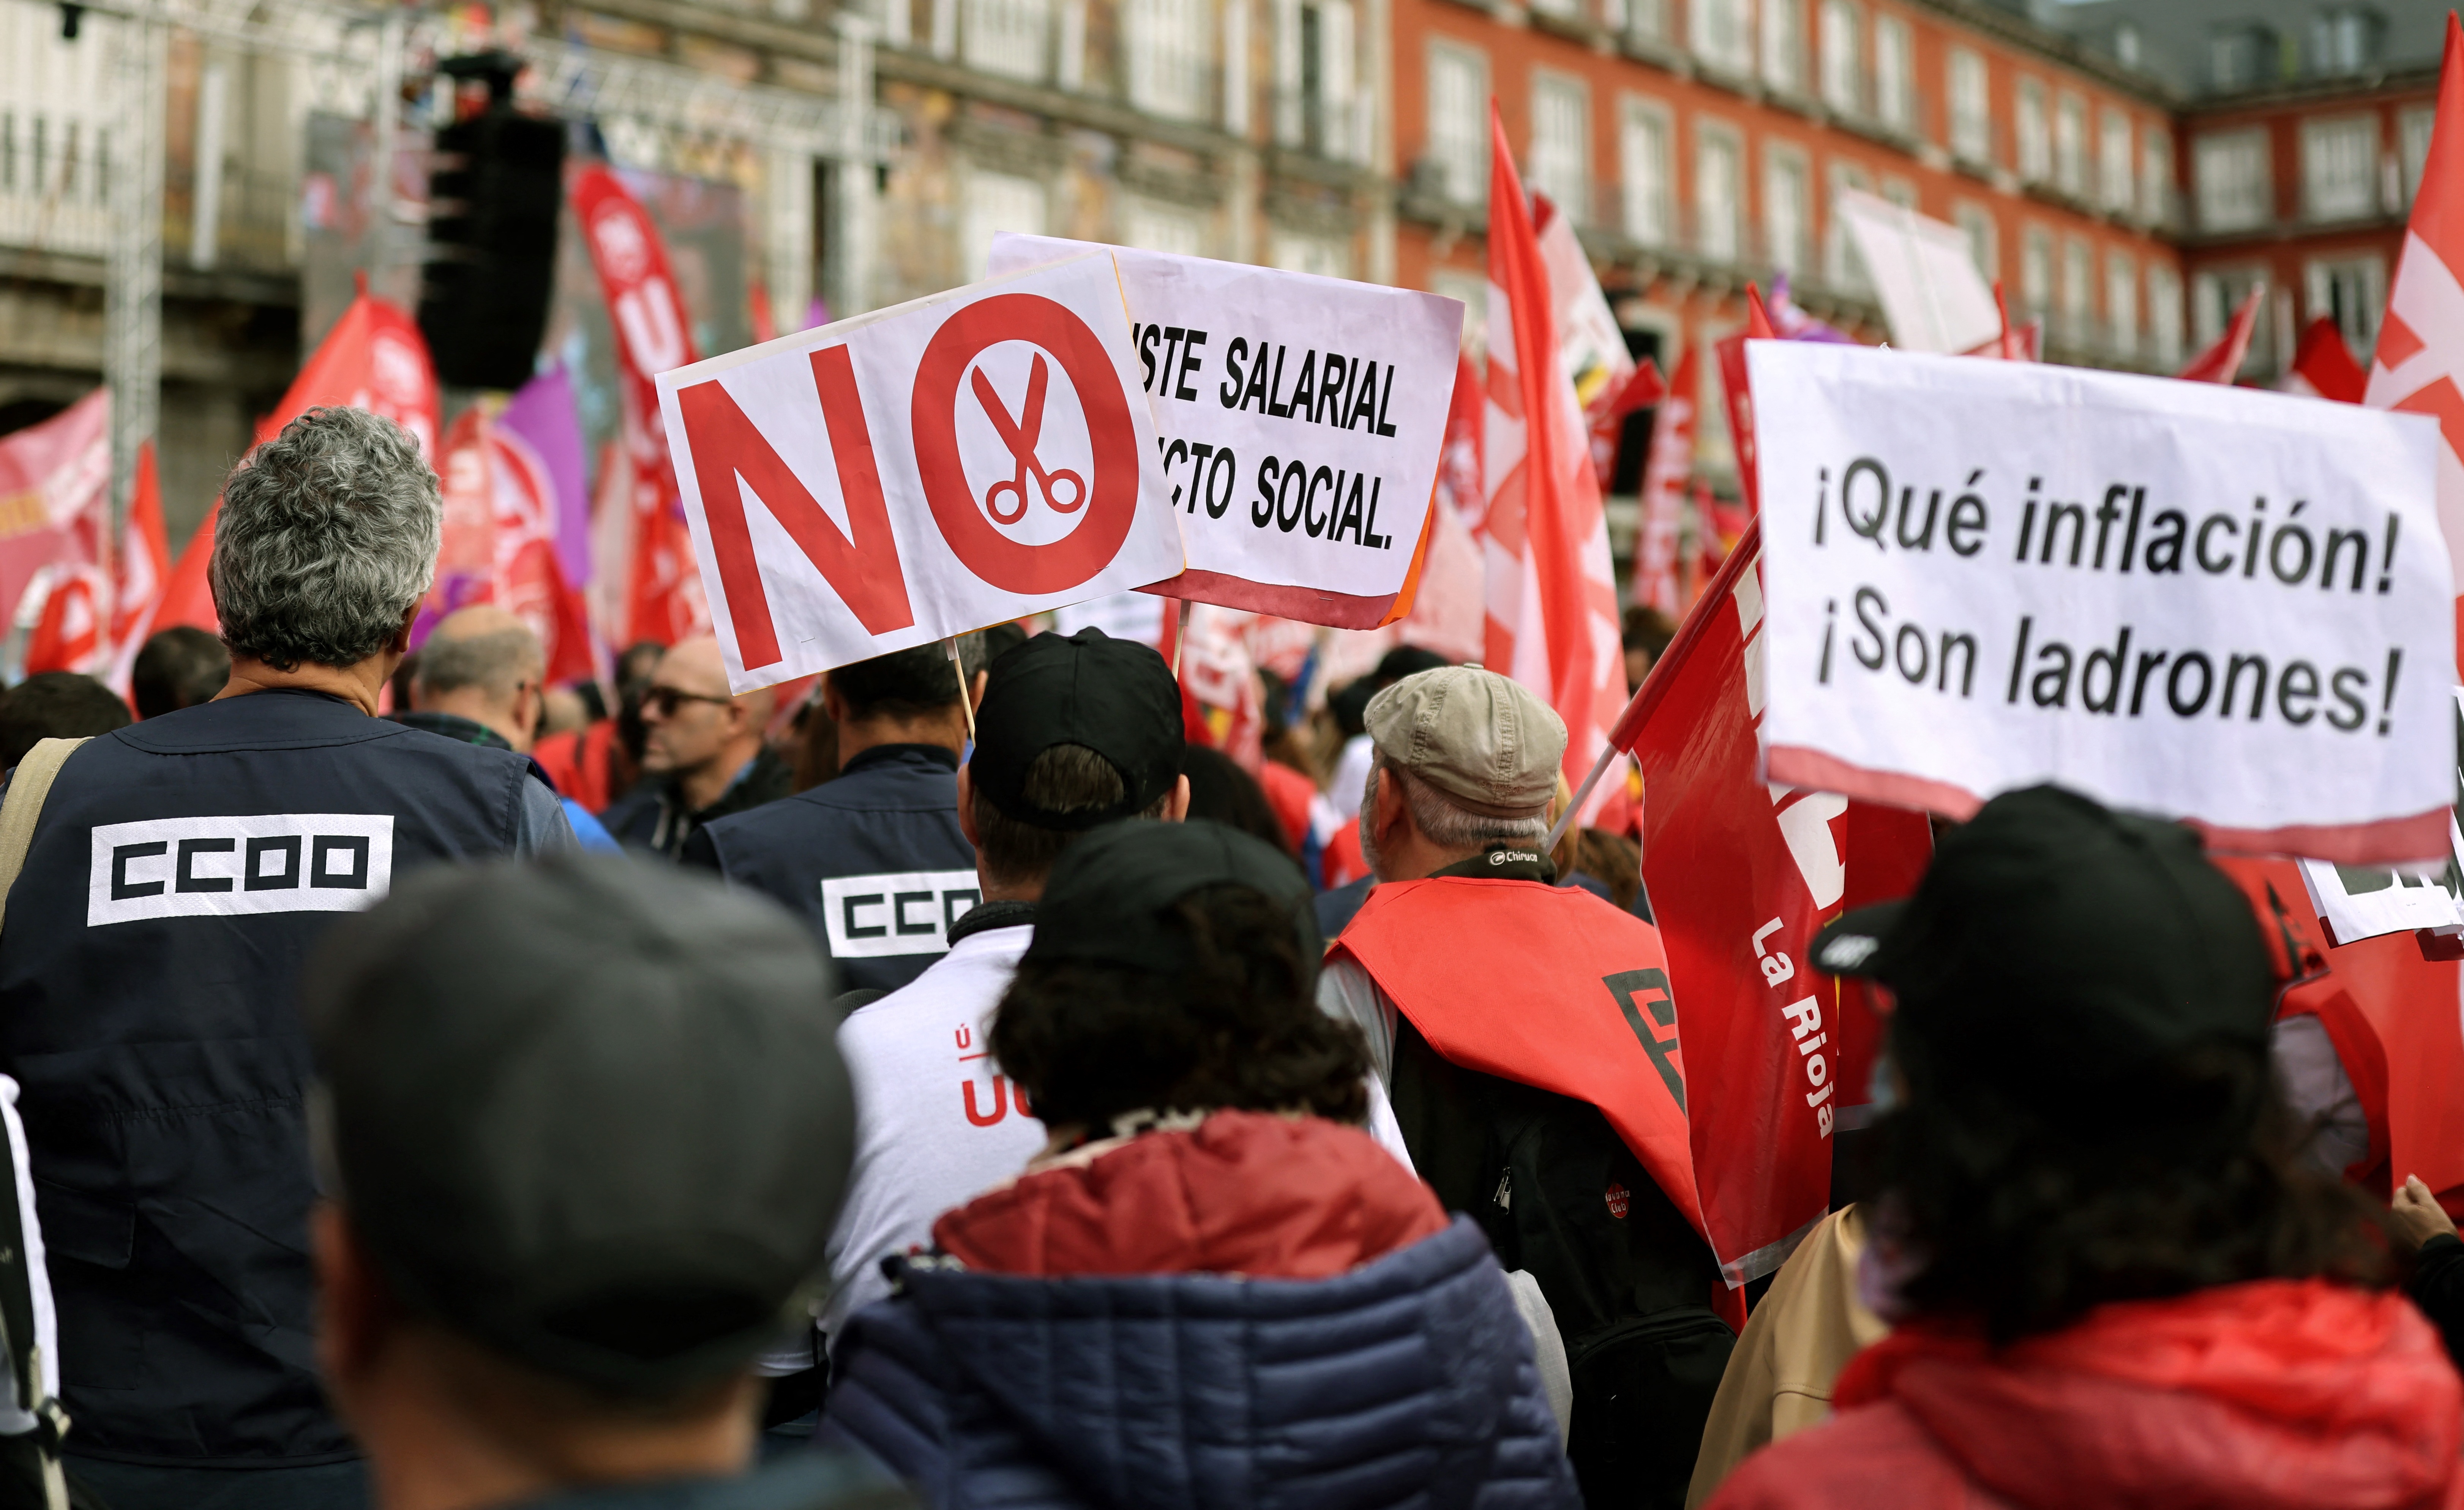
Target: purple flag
{"type": "Point", "coordinates": [542, 416]}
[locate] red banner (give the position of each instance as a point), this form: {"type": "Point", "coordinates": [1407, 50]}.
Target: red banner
{"type": "Point", "coordinates": [1741, 875]}
{"type": "Point", "coordinates": [654, 335]}
{"type": "Point", "coordinates": [55, 520]}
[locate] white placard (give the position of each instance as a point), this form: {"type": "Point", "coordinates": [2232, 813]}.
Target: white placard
{"type": "Point", "coordinates": [2359, 902]}
{"type": "Point", "coordinates": [2209, 602]}
{"type": "Point", "coordinates": [920, 471]}
{"type": "Point", "coordinates": [1924, 274]}
{"type": "Point", "coordinates": [1300, 417]}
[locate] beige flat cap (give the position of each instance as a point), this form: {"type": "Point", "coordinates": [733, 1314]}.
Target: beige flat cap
{"type": "Point", "coordinates": [1481, 738]}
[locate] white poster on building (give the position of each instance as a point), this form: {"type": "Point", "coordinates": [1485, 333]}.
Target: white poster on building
{"type": "Point", "coordinates": [920, 471]}
{"type": "Point", "coordinates": [1300, 420]}
{"type": "Point", "coordinates": [2209, 602]}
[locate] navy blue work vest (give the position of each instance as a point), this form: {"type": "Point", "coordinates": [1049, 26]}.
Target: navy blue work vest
{"type": "Point", "coordinates": [873, 862]}
{"type": "Point", "coordinates": [182, 869]}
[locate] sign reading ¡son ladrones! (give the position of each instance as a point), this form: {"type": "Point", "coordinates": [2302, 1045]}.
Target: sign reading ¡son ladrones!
{"type": "Point", "coordinates": [919, 472]}
{"type": "Point", "coordinates": [1299, 421]}
{"type": "Point", "coordinates": [2215, 603]}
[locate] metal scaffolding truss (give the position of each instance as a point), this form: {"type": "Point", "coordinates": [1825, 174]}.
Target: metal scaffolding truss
{"type": "Point", "coordinates": [585, 83]}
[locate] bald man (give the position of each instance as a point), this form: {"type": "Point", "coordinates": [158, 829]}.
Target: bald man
{"type": "Point", "coordinates": [702, 756]}
{"type": "Point", "coordinates": [480, 679]}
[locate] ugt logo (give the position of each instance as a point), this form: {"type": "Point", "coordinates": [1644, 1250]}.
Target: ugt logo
{"type": "Point", "coordinates": [1036, 514]}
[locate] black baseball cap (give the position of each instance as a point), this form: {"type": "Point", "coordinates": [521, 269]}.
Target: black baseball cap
{"type": "Point", "coordinates": [588, 1112]}
{"type": "Point", "coordinates": [1109, 893]}
{"type": "Point", "coordinates": [2055, 947]}
{"type": "Point", "coordinates": [1116, 697]}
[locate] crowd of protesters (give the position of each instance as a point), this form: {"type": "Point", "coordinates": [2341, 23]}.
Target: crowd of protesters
{"type": "Point", "coordinates": [964, 1088]}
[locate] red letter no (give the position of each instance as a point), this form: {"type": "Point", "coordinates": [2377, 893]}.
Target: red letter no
{"type": "Point", "coordinates": [862, 571]}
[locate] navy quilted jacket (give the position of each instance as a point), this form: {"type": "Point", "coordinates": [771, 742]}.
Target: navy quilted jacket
{"type": "Point", "coordinates": [1407, 1382]}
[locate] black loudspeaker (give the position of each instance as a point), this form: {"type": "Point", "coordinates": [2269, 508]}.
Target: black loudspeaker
{"type": "Point", "coordinates": [493, 195]}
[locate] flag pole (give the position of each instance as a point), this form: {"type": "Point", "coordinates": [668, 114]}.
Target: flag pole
{"type": "Point", "coordinates": [1582, 793]}
{"type": "Point", "coordinates": [966, 694]}
{"type": "Point", "coordinates": [1179, 632]}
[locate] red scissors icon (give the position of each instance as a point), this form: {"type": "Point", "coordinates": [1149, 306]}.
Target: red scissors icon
{"type": "Point", "coordinates": [1020, 435]}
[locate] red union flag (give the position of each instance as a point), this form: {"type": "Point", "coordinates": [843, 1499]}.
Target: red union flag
{"type": "Point", "coordinates": [1740, 874]}
{"type": "Point", "coordinates": [2421, 345]}
{"type": "Point", "coordinates": [654, 335]}
{"type": "Point", "coordinates": [1663, 488]}
{"type": "Point", "coordinates": [1551, 589]}
{"type": "Point", "coordinates": [893, 479]}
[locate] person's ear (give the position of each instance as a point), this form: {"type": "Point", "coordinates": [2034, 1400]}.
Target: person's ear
{"type": "Point", "coordinates": [832, 703]}
{"type": "Point", "coordinates": [1390, 820]}
{"type": "Point", "coordinates": [354, 1313]}
{"type": "Point", "coordinates": [400, 643]}
{"type": "Point", "coordinates": [976, 688]}
{"type": "Point", "coordinates": [967, 809]}
{"type": "Point", "coordinates": [1175, 808]}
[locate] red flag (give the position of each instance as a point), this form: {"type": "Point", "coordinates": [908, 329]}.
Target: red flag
{"type": "Point", "coordinates": [2420, 344]}
{"type": "Point", "coordinates": [1741, 875]}
{"type": "Point", "coordinates": [2221, 362]}
{"type": "Point", "coordinates": [1640, 391]}
{"type": "Point", "coordinates": [2027, 343]}
{"type": "Point", "coordinates": [373, 358]}
{"type": "Point", "coordinates": [1552, 588]}
{"type": "Point", "coordinates": [1663, 489]}
{"type": "Point", "coordinates": [2323, 366]}
{"type": "Point", "coordinates": [1739, 400]}
{"type": "Point", "coordinates": [69, 632]}
{"type": "Point", "coordinates": [665, 601]}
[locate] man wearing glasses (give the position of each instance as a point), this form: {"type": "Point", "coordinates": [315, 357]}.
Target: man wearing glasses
{"type": "Point", "coordinates": [703, 758]}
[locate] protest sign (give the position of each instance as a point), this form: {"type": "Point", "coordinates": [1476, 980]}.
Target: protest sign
{"type": "Point", "coordinates": [2215, 603]}
{"type": "Point", "coordinates": [2359, 902]}
{"type": "Point", "coordinates": [1304, 413]}
{"type": "Point", "coordinates": [1924, 274]}
{"type": "Point", "coordinates": [919, 472]}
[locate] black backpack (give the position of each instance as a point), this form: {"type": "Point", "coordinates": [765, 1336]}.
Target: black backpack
{"type": "Point", "coordinates": [1560, 1196]}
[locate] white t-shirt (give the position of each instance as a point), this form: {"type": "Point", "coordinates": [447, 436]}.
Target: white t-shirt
{"type": "Point", "coordinates": [934, 1125]}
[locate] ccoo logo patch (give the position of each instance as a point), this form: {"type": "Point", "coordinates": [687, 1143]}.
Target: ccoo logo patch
{"type": "Point", "coordinates": [231, 866]}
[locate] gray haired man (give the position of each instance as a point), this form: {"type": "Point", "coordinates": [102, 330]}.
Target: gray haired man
{"type": "Point", "coordinates": [179, 873]}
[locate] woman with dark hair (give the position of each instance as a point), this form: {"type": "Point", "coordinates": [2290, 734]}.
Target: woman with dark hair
{"type": "Point", "coordinates": [1213, 1288]}
{"type": "Point", "coordinates": [2113, 1282]}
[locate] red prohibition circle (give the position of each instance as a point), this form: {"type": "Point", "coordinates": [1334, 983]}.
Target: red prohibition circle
{"type": "Point", "coordinates": [1113, 492]}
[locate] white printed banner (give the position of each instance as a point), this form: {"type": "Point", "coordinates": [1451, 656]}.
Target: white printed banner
{"type": "Point", "coordinates": [2215, 603]}
{"type": "Point", "coordinates": [919, 472]}
{"type": "Point", "coordinates": [1300, 420]}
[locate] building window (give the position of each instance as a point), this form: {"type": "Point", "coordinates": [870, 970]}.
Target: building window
{"type": "Point", "coordinates": [2156, 176]}
{"type": "Point", "coordinates": [2351, 292]}
{"type": "Point", "coordinates": [2035, 142]}
{"type": "Point", "coordinates": [2412, 132]}
{"type": "Point", "coordinates": [1163, 227]}
{"type": "Point", "coordinates": [2345, 40]}
{"type": "Point", "coordinates": [2340, 168]}
{"type": "Point", "coordinates": [2230, 174]}
{"type": "Point", "coordinates": [2165, 316]}
{"type": "Point", "coordinates": [1895, 99]}
{"type": "Point", "coordinates": [1971, 120]}
{"type": "Point", "coordinates": [1984, 239]}
{"type": "Point", "coordinates": [2241, 57]}
{"type": "Point", "coordinates": [2069, 145]}
{"type": "Point", "coordinates": [2125, 45]}
{"type": "Point", "coordinates": [1316, 94]}
{"type": "Point", "coordinates": [2117, 175]}
{"type": "Point", "coordinates": [1008, 38]}
{"type": "Point", "coordinates": [1326, 256]}
{"type": "Point", "coordinates": [1783, 28]}
{"type": "Point", "coordinates": [1167, 56]}
{"type": "Point", "coordinates": [2037, 272]}
{"type": "Point", "coordinates": [2121, 303]}
{"type": "Point", "coordinates": [1720, 40]}
{"type": "Point", "coordinates": [1716, 197]}
{"type": "Point", "coordinates": [998, 202]}
{"type": "Point", "coordinates": [1843, 267]}
{"type": "Point", "coordinates": [1842, 74]}
{"type": "Point", "coordinates": [2079, 290]}
{"type": "Point", "coordinates": [1647, 20]}
{"type": "Point", "coordinates": [1561, 135]}
{"type": "Point", "coordinates": [1458, 122]}
{"type": "Point", "coordinates": [1786, 222]}
{"type": "Point", "coordinates": [1642, 162]}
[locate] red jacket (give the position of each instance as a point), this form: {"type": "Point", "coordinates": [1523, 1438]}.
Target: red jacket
{"type": "Point", "coordinates": [1243, 1192]}
{"type": "Point", "coordinates": [2269, 1395]}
